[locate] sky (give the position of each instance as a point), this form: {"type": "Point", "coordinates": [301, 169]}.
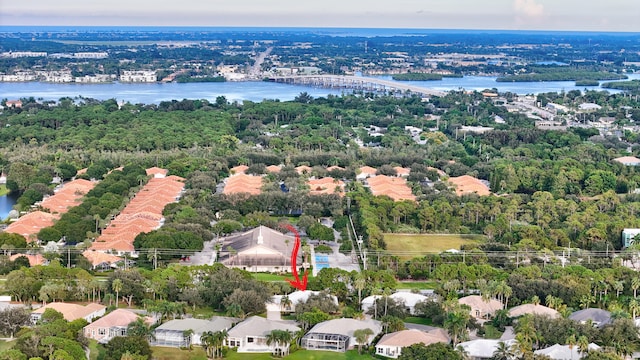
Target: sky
{"type": "Point", "coordinates": [578, 15]}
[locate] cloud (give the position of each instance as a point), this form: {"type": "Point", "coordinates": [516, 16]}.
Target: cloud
{"type": "Point", "coordinates": [529, 8]}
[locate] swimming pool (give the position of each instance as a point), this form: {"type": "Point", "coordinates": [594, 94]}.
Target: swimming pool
{"type": "Point", "coordinates": [322, 261]}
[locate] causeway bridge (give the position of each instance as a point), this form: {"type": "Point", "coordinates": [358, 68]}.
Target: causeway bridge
{"type": "Point", "coordinates": [355, 83]}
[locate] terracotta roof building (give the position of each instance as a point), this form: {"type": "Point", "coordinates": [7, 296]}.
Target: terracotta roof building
{"type": "Point", "coordinates": [402, 172]}
{"type": "Point", "coordinates": [157, 172]}
{"type": "Point", "coordinates": [393, 187]}
{"type": "Point", "coordinates": [240, 169]}
{"type": "Point", "coordinates": [111, 325]}
{"type": "Point", "coordinates": [481, 308]}
{"type": "Point", "coordinates": [30, 224]}
{"type": "Point", "coordinates": [326, 185]}
{"type": "Point", "coordinates": [365, 172]}
{"type": "Point", "coordinates": [101, 260]}
{"type": "Point", "coordinates": [242, 183]}
{"type": "Point", "coordinates": [71, 312]}
{"type": "Point", "coordinates": [466, 184]}
{"type": "Point", "coordinates": [34, 259]}
{"type": "Point", "coordinates": [141, 215]}
{"type": "Point", "coordinates": [303, 169]}
{"type": "Point", "coordinates": [523, 309]}
{"type": "Point", "coordinates": [273, 168]}
{"type": "Point", "coordinates": [628, 160]}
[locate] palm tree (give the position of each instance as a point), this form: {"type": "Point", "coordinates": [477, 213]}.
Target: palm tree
{"type": "Point", "coordinates": [586, 300]}
{"type": "Point", "coordinates": [140, 328]}
{"type": "Point", "coordinates": [285, 303]}
{"type": "Point", "coordinates": [386, 293]}
{"type": "Point", "coordinates": [503, 352]}
{"type": "Point", "coordinates": [635, 285]}
{"type": "Point", "coordinates": [116, 286]}
{"type": "Point", "coordinates": [207, 342]}
{"type": "Point", "coordinates": [634, 307]}
{"type": "Point", "coordinates": [583, 344]}
{"type": "Point", "coordinates": [456, 324]}
{"type": "Point", "coordinates": [618, 286]}
{"type": "Point", "coordinates": [186, 335]}
{"type": "Point", "coordinates": [279, 338]}
{"type": "Point", "coordinates": [218, 340]}
{"type": "Point", "coordinates": [362, 336]}
{"type": "Point", "coordinates": [360, 283]}
{"type": "Point", "coordinates": [535, 300]}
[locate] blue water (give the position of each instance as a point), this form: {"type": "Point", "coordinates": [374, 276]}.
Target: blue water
{"type": "Point", "coordinates": [6, 204]}
{"type": "Point", "coordinates": [322, 262]}
{"type": "Point", "coordinates": [254, 90]}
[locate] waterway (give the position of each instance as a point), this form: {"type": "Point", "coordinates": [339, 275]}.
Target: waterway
{"type": "Point", "coordinates": [6, 204]}
{"type": "Point", "coordinates": [254, 90]}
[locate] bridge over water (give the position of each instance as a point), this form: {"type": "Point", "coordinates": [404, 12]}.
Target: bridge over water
{"type": "Point", "coordinates": [355, 83]}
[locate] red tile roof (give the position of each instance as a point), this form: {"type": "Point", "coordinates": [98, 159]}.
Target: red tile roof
{"type": "Point", "coordinates": [273, 168]}
{"type": "Point", "coordinates": [240, 169]}
{"type": "Point", "coordinates": [157, 172]}
{"type": "Point", "coordinates": [31, 223]}
{"type": "Point", "coordinates": [142, 214]}
{"type": "Point", "coordinates": [326, 185]}
{"type": "Point", "coordinates": [393, 187]}
{"type": "Point", "coordinates": [242, 183]}
{"type": "Point", "coordinates": [96, 258]}
{"type": "Point", "coordinates": [466, 184]}
{"type": "Point", "coordinates": [34, 259]}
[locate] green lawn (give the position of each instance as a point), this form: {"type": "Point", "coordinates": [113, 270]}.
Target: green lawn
{"type": "Point", "coordinates": [418, 320]}
{"type": "Point", "coordinates": [490, 332]}
{"type": "Point", "coordinates": [271, 277]}
{"type": "Point", "coordinates": [417, 285]}
{"type": "Point", "coordinates": [6, 345]}
{"type": "Point", "coordinates": [303, 355]}
{"type": "Point", "coordinates": [3, 190]}
{"type": "Point", "coordinates": [167, 353]}
{"type": "Point", "coordinates": [93, 349]}
{"type": "Point", "coordinates": [408, 246]}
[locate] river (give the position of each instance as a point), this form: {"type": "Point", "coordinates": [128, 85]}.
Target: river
{"type": "Point", "coordinates": [6, 204]}
{"type": "Point", "coordinates": [252, 90]}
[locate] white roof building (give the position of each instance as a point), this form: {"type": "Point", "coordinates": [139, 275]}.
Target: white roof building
{"type": "Point", "coordinates": [338, 334]}
{"type": "Point", "coordinates": [297, 297]}
{"type": "Point", "coordinates": [409, 299]}
{"type": "Point", "coordinates": [483, 348]}
{"type": "Point", "coordinates": [565, 352]}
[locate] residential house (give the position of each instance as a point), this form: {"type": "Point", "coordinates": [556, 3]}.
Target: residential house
{"type": "Point", "coordinates": [390, 345]}
{"type": "Point", "coordinates": [242, 183]}
{"type": "Point", "coordinates": [481, 308]}
{"type": "Point", "coordinates": [295, 298]}
{"type": "Point", "coordinates": [30, 224]}
{"type": "Point", "coordinates": [111, 325]}
{"type": "Point", "coordinates": [274, 169]}
{"type": "Point", "coordinates": [157, 172]}
{"type": "Point", "coordinates": [628, 160]}
{"type": "Point", "coordinates": [100, 260]}
{"type": "Point", "coordinates": [402, 172]}
{"type": "Point", "coordinates": [466, 184]}
{"type": "Point", "coordinates": [365, 172]}
{"type": "Point", "coordinates": [303, 169]}
{"type": "Point", "coordinates": [565, 352]}
{"type": "Point", "coordinates": [326, 185]}
{"type": "Point", "coordinates": [394, 187]}
{"type": "Point", "coordinates": [628, 236]}
{"type": "Point", "coordinates": [481, 349]}
{"type": "Point", "coordinates": [185, 332]}
{"type": "Point", "coordinates": [34, 259]}
{"type": "Point", "coordinates": [71, 312]}
{"type": "Point", "coordinates": [142, 214]}
{"type": "Point", "coordinates": [240, 169]}
{"type": "Point", "coordinates": [250, 336]}
{"type": "Point", "coordinates": [338, 334]}
{"type": "Point", "coordinates": [594, 316]}
{"type": "Point", "coordinates": [538, 309]}
{"type": "Point", "coordinates": [409, 300]}
{"type": "Point", "coordinates": [259, 250]}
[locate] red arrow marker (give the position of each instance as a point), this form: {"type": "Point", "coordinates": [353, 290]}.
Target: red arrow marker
{"type": "Point", "coordinates": [296, 282]}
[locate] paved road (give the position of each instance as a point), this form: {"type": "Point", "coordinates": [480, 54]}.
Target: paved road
{"type": "Point", "coordinates": [256, 69]}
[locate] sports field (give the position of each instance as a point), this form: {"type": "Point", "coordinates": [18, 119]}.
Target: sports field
{"type": "Point", "coordinates": [408, 246]}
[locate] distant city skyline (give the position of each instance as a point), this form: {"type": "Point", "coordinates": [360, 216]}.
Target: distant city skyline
{"type": "Point", "coordinates": [570, 15]}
